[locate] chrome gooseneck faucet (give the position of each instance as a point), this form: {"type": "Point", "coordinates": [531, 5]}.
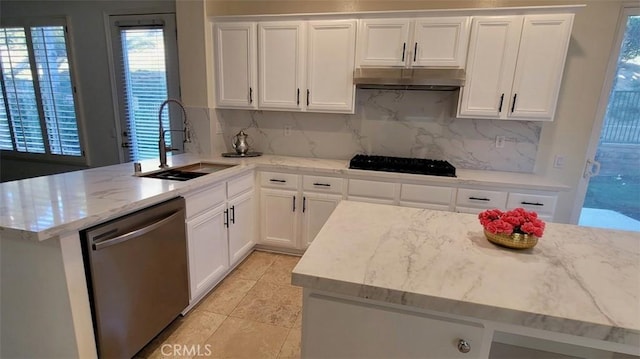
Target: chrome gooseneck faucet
{"type": "Point", "coordinates": [162, 145]}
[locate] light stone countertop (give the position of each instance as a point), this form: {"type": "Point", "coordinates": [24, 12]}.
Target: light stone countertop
{"type": "Point", "coordinates": [577, 280]}
{"type": "Point", "coordinates": [43, 207]}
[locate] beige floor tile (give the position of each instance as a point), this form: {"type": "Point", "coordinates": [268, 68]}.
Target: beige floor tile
{"type": "Point", "coordinates": [270, 303]}
{"type": "Point", "coordinates": [291, 347]}
{"type": "Point", "coordinates": [224, 298]}
{"type": "Point", "coordinates": [280, 271]}
{"type": "Point", "coordinates": [254, 266]}
{"type": "Point", "coordinates": [240, 338]}
{"type": "Point", "coordinates": [298, 322]}
{"type": "Point", "coordinates": [184, 335]}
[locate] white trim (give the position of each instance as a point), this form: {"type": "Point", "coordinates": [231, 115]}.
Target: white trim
{"type": "Point", "coordinates": [518, 10]}
{"type": "Point", "coordinates": [581, 190]}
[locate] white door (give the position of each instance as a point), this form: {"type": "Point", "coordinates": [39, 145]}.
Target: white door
{"type": "Point", "coordinates": [440, 42]}
{"type": "Point", "coordinates": [383, 42]}
{"type": "Point", "coordinates": [208, 250]}
{"type": "Point", "coordinates": [541, 57]}
{"type": "Point", "coordinates": [241, 226]}
{"type": "Point", "coordinates": [608, 195]}
{"type": "Point", "coordinates": [331, 49]}
{"type": "Point", "coordinates": [281, 65]}
{"type": "Point", "coordinates": [316, 208]}
{"type": "Point", "coordinates": [279, 215]}
{"type": "Point", "coordinates": [493, 49]}
{"type": "Point", "coordinates": [236, 64]}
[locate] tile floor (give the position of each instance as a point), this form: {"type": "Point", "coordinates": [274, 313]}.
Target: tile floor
{"type": "Point", "coordinates": [253, 313]}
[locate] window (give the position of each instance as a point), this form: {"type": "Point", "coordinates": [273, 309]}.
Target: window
{"type": "Point", "coordinates": [145, 56]}
{"type": "Point", "coordinates": [37, 101]}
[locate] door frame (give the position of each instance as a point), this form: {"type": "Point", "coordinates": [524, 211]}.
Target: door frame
{"type": "Point", "coordinates": [627, 9]}
{"type": "Point", "coordinates": [173, 77]}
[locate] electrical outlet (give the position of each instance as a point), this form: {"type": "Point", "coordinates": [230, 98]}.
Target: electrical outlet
{"type": "Point", "coordinates": [558, 161]}
{"type": "Point", "coordinates": [287, 130]}
{"type": "Point", "coordinates": [500, 141]}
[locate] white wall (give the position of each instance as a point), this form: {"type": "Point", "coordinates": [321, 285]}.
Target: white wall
{"type": "Point", "coordinates": [89, 46]}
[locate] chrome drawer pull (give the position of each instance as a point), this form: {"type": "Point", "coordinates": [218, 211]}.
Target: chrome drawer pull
{"type": "Point", "coordinates": [278, 180]}
{"type": "Point", "coordinates": [479, 199]}
{"type": "Point", "coordinates": [322, 184]}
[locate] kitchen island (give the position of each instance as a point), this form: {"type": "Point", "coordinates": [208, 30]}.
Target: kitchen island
{"type": "Point", "coordinates": [386, 281]}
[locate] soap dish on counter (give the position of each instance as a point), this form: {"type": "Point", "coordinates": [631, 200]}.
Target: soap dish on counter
{"type": "Point", "coordinates": [248, 154]}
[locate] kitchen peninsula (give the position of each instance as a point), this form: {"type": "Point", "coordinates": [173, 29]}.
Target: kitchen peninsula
{"type": "Point", "coordinates": [385, 281]}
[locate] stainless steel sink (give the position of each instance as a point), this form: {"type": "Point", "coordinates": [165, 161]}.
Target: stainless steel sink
{"type": "Point", "coordinates": [188, 172]}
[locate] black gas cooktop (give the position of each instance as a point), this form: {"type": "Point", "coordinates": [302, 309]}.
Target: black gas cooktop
{"type": "Point", "coordinates": [403, 165]}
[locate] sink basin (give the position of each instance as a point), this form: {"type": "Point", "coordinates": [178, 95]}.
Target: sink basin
{"type": "Point", "coordinates": [186, 173]}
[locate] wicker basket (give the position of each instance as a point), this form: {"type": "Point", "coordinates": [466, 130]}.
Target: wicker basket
{"type": "Point", "coordinates": [515, 240]}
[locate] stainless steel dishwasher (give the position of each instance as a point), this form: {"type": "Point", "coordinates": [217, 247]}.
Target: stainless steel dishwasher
{"type": "Point", "coordinates": [137, 275]}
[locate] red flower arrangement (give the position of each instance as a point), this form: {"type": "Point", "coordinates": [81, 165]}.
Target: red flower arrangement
{"type": "Point", "coordinates": [518, 220]}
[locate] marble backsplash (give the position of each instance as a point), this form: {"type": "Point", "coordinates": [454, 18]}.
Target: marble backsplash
{"type": "Point", "coordinates": [391, 123]}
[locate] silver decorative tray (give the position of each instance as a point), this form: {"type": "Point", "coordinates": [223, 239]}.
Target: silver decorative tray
{"type": "Point", "coordinates": [248, 154]}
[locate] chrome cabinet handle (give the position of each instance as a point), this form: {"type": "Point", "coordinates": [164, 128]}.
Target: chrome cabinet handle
{"type": "Point", "coordinates": [463, 346]}
{"type": "Point", "coordinates": [136, 233]}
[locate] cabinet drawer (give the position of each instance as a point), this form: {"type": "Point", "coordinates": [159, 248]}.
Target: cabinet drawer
{"type": "Point", "coordinates": [426, 194]}
{"type": "Point", "coordinates": [279, 180]}
{"type": "Point", "coordinates": [201, 200]}
{"type": "Point", "coordinates": [533, 202]}
{"type": "Point", "coordinates": [322, 184]}
{"type": "Point", "coordinates": [480, 198]}
{"type": "Point", "coordinates": [239, 185]}
{"type": "Point", "coordinates": [372, 189]}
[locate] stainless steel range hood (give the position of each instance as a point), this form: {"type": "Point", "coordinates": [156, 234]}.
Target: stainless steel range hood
{"type": "Point", "coordinates": [409, 79]}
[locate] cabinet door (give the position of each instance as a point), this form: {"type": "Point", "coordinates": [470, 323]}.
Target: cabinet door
{"type": "Point", "coordinates": [208, 251]}
{"type": "Point", "coordinates": [541, 58]}
{"type": "Point", "coordinates": [440, 42]}
{"type": "Point", "coordinates": [281, 61]}
{"type": "Point", "coordinates": [330, 64]}
{"type": "Point", "coordinates": [383, 42]}
{"type": "Point", "coordinates": [316, 209]}
{"type": "Point", "coordinates": [241, 228]}
{"type": "Point", "coordinates": [493, 48]}
{"type": "Point", "coordinates": [236, 64]}
{"type": "Point", "coordinates": [279, 215]}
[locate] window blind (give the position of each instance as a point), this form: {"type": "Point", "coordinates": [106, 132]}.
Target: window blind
{"type": "Point", "coordinates": [145, 82]}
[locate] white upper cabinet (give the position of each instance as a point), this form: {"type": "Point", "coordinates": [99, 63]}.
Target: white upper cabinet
{"type": "Point", "coordinates": [236, 64]}
{"type": "Point", "coordinates": [307, 66]}
{"type": "Point", "coordinates": [281, 65]}
{"type": "Point", "coordinates": [383, 42]}
{"type": "Point", "coordinates": [330, 64]}
{"type": "Point", "coordinates": [514, 67]}
{"type": "Point", "coordinates": [439, 42]}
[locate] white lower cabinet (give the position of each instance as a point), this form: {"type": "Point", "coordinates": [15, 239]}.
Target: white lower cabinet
{"type": "Point", "coordinates": [342, 328]}
{"type": "Point", "coordinates": [241, 226]}
{"type": "Point", "coordinates": [220, 232]}
{"type": "Point", "coordinates": [294, 208]}
{"type": "Point", "coordinates": [316, 209]}
{"type": "Point", "coordinates": [278, 217]}
{"type": "Point", "coordinates": [372, 191]}
{"type": "Point", "coordinates": [430, 197]}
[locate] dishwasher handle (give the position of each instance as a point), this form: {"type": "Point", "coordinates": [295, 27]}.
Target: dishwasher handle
{"type": "Point", "coordinates": [136, 233]}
